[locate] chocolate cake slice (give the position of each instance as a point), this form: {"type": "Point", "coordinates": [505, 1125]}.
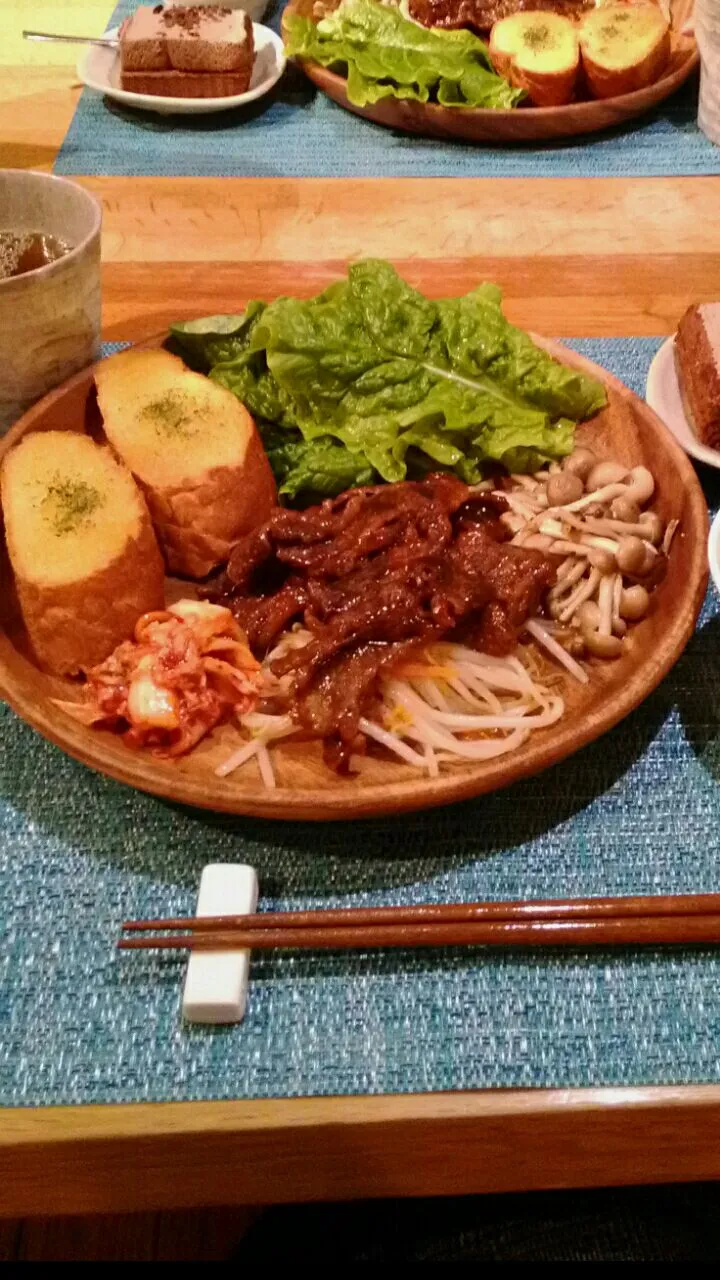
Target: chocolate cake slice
{"type": "Point", "coordinates": [202, 51]}
{"type": "Point", "coordinates": [697, 358]}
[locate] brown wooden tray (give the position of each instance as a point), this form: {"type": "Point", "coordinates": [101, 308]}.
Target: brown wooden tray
{"type": "Point", "coordinates": [523, 124]}
{"type": "Point", "coordinates": [269, 1151]}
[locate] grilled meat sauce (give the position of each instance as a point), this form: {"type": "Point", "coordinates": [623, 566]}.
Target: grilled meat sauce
{"type": "Point", "coordinates": [374, 574]}
{"type": "Point", "coordinates": [483, 14]}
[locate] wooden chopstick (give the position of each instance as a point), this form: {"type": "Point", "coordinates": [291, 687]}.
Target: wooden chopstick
{"type": "Point", "coordinates": [651, 930]}
{"type": "Point", "coordinates": [446, 913]}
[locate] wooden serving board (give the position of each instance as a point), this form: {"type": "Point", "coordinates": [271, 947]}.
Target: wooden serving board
{"type": "Point", "coordinates": [627, 430]}
{"type": "Point", "coordinates": [522, 124]}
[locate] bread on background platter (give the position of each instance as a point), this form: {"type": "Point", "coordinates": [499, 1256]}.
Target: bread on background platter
{"type": "Point", "coordinates": [624, 47]}
{"type": "Point", "coordinates": [82, 548]}
{"type": "Point", "coordinates": [613, 48]}
{"type": "Point", "coordinates": [193, 449]}
{"type": "Point", "coordinates": [540, 53]}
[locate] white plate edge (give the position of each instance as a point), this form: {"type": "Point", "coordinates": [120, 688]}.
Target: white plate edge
{"type": "Point", "coordinates": [653, 397]}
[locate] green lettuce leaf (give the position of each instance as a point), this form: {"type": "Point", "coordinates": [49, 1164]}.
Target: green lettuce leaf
{"type": "Point", "coordinates": [386, 55]}
{"type": "Point", "coordinates": [481, 344]}
{"type": "Point", "coordinates": [249, 378]}
{"type": "Point", "coordinates": [321, 469]}
{"type": "Point", "coordinates": [370, 380]}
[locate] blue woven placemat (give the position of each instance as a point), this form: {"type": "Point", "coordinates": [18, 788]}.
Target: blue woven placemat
{"type": "Point", "coordinates": [637, 812]}
{"type": "Point", "coordinates": [300, 133]}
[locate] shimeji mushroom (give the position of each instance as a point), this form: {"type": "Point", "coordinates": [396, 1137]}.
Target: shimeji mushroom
{"type": "Point", "coordinates": [527, 482]}
{"type": "Point", "coordinates": [591, 513]}
{"type": "Point", "coordinates": [520, 506]}
{"type": "Point", "coordinates": [641, 487]}
{"type": "Point", "coordinates": [564, 488]}
{"type": "Point", "coordinates": [625, 509]}
{"type": "Point", "coordinates": [580, 463]}
{"type": "Point", "coordinates": [537, 541]}
{"type": "Point", "coordinates": [602, 558]}
{"type": "Point", "coordinates": [596, 642]}
{"type": "Point", "coordinates": [653, 526]}
{"type": "Point", "coordinates": [605, 605]}
{"type": "Point", "coordinates": [588, 616]}
{"type": "Point", "coordinates": [601, 646]}
{"type": "Point", "coordinates": [566, 567]}
{"type": "Point", "coordinates": [634, 603]}
{"type": "Point", "coordinates": [585, 590]}
{"type": "Point", "coordinates": [603, 474]}
{"type": "Point", "coordinates": [604, 484]}
{"type": "Point", "coordinates": [630, 554]}
{"type": "Point", "coordinates": [654, 565]}
{"type": "Point", "coordinates": [575, 570]}
{"type": "Point", "coordinates": [649, 529]}
{"type": "Point", "coordinates": [619, 625]}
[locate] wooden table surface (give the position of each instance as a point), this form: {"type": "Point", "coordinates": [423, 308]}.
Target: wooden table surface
{"type": "Point", "coordinates": [574, 257]}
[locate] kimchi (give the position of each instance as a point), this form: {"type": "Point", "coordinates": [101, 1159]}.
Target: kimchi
{"type": "Point", "coordinates": [186, 669]}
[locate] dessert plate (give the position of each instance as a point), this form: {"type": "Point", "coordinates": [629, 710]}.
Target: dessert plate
{"type": "Point", "coordinates": [662, 393]}
{"type": "Point", "coordinates": [99, 69]}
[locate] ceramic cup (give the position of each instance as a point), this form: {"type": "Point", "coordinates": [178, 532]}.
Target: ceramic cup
{"type": "Point", "coordinates": [49, 318]}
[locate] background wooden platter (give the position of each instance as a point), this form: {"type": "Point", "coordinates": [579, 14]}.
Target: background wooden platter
{"type": "Point", "coordinates": [627, 429]}
{"type": "Point", "coordinates": [524, 124]}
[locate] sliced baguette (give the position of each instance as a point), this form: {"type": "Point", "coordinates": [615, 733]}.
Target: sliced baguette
{"type": "Point", "coordinates": [194, 450]}
{"type": "Point", "coordinates": [82, 548]}
{"type": "Point", "coordinates": [537, 52]}
{"type": "Point", "coordinates": [624, 48]}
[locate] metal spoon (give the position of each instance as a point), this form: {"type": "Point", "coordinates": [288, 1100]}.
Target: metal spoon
{"type": "Point", "coordinates": [56, 38]}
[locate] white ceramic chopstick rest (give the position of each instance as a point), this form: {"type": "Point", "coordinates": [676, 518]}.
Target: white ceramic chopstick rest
{"type": "Point", "coordinates": [216, 982]}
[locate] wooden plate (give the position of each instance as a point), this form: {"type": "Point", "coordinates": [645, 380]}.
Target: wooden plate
{"type": "Point", "coordinates": [523, 124]}
{"type": "Point", "coordinates": [627, 430]}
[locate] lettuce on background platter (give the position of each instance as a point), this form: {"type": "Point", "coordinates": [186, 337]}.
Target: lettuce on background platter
{"type": "Point", "coordinates": [386, 55]}
{"type": "Point", "coordinates": [372, 381]}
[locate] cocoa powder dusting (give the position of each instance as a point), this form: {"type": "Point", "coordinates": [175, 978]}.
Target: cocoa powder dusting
{"type": "Point", "coordinates": [190, 19]}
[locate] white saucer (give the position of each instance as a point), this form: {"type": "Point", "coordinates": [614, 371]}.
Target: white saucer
{"type": "Point", "coordinates": [714, 551]}
{"type": "Point", "coordinates": [663, 395]}
{"type": "Point", "coordinates": [99, 69]}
